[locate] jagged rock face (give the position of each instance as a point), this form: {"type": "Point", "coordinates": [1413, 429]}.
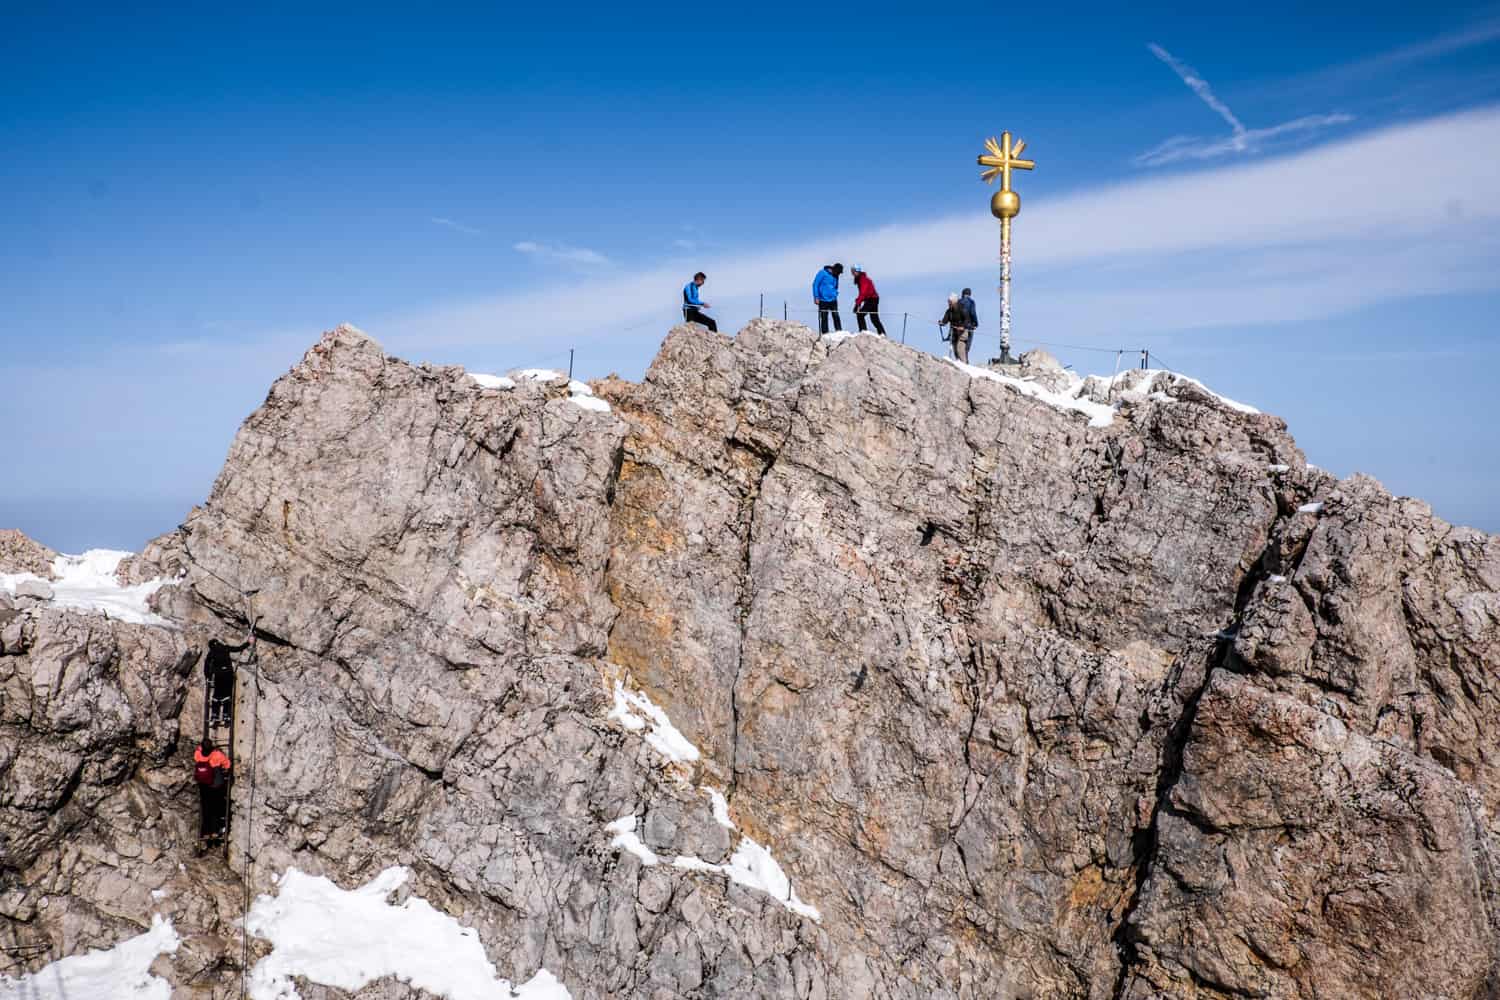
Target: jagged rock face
{"type": "Point", "coordinates": [19, 554]}
{"type": "Point", "coordinates": [1024, 707]}
{"type": "Point", "coordinates": [95, 815]}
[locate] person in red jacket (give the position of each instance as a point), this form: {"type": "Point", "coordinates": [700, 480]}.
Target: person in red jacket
{"type": "Point", "coordinates": [211, 771]}
{"type": "Point", "coordinates": [868, 301]}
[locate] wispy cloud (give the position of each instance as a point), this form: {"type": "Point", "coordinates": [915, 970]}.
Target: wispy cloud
{"type": "Point", "coordinates": [1482, 33]}
{"type": "Point", "coordinates": [1185, 147]}
{"type": "Point", "coordinates": [1240, 139]}
{"type": "Point", "coordinates": [456, 226]}
{"type": "Point", "coordinates": [562, 252]}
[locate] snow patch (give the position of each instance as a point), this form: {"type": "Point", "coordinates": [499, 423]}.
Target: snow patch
{"type": "Point", "coordinates": [536, 374]}
{"type": "Point", "coordinates": [119, 973]}
{"type": "Point", "coordinates": [721, 808]}
{"type": "Point", "coordinates": [839, 336]}
{"type": "Point", "coordinates": [751, 865]}
{"type": "Point", "coordinates": [581, 395]}
{"type": "Point", "coordinates": [626, 839]}
{"type": "Point", "coordinates": [664, 737]}
{"type": "Point", "coordinates": [88, 583]}
{"type": "Point", "coordinates": [1311, 508]}
{"type": "Point", "coordinates": [493, 381]}
{"type": "Point", "coordinates": [1232, 404]}
{"type": "Point", "coordinates": [1099, 414]}
{"type": "Point", "coordinates": [347, 939]}
{"type": "Point", "coordinates": [1278, 468]}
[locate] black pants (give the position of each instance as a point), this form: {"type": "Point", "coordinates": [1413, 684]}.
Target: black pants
{"type": "Point", "coordinates": [691, 314]}
{"type": "Point", "coordinates": [826, 309]}
{"type": "Point", "coordinates": [213, 803]}
{"type": "Point", "coordinates": [870, 308]}
{"type": "Point", "coordinates": [221, 690]}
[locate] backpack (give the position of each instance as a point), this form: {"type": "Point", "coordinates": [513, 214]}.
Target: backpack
{"type": "Point", "coordinates": [206, 774]}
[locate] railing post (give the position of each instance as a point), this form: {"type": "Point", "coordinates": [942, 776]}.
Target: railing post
{"type": "Point", "coordinates": [570, 364]}
{"type": "Point", "coordinates": [903, 326]}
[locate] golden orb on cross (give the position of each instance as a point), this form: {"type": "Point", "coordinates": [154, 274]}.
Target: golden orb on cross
{"type": "Point", "coordinates": [1001, 159]}
{"type": "Point", "coordinates": [1005, 205]}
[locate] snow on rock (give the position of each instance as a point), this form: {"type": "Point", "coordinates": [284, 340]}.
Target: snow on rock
{"type": "Point", "coordinates": [751, 865]}
{"type": "Point", "coordinates": [627, 839]}
{"type": "Point", "coordinates": [1278, 468]}
{"type": "Point", "coordinates": [579, 393]}
{"type": "Point", "coordinates": [493, 381]}
{"type": "Point", "coordinates": [88, 583]}
{"type": "Point", "coordinates": [1099, 414]}
{"type": "Point", "coordinates": [1311, 508]}
{"type": "Point", "coordinates": [634, 711]}
{"type": "Point", "coordinates": [720, 807]}
{"type": "Point", "coordinates": [119, 973]}
{"type": "Point", "coordinates": [839, 336]}
{"type": "Point", "coordinates": [582, 395]}
{"type": "Point", "coordinates": [348, 938]}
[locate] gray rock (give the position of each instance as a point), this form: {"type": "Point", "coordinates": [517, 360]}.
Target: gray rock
{"type": "Point", "coordinates": [19, 554]}
{"type": "Point", "coordinates": [1024, 707]}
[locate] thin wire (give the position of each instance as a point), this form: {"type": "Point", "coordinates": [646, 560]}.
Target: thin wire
{"type": "Point", "coordinates": [250, 809]}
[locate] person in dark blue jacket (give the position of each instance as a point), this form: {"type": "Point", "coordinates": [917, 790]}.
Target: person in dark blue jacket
{"type": "Point", "coordinates": [825, 291]}
{"type": "Point", "coordinates": [692, 306]}
{"type": "Point", "coordinates": [966, 301]}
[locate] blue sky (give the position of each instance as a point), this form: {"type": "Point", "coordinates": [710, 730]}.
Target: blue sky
{"type": "Point", "coordinates": [1297, 206]}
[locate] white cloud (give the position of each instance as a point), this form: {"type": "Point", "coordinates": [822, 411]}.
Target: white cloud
{"type": "Point", "coordinates": [1169, 252]}
{"type": "Point", "coordinates": [562, 252]}
{"type": "Point", "coordinates": [1240, 139]}
{"type": "Point", "coordinates": [458, 226]}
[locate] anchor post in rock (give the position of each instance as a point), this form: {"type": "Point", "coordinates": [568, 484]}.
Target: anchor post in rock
{"type": "Point", "coordinates": [1002, 158]}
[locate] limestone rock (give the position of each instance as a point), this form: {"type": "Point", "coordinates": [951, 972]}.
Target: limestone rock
{"type": "Point", "coordinates": [19, 554]}
{"type": "Point", "coordinates": [1023, 706]}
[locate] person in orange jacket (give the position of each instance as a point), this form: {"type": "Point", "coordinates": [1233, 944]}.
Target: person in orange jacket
{"type": "Point", "coordinates": [211, 767]}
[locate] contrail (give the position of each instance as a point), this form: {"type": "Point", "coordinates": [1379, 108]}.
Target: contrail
{"type": "Point", "coordinates": [1200, 87]}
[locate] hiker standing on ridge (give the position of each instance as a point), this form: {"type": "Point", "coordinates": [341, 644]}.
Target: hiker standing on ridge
{"type": "Point", "coordinates": [692, 306]}
{"type": "Point", "coordinates": [956, 319]}
{"type": "Point", "coordinates": [971, 314]}
{"type": "Point", "coordinates": [211, 772]}
{"type": "Point", "coordinates": [825, 291]}
{"type": "Point", "coordinates": [867, 303]}
{"type": "Point", "coordinates": [218, 674]}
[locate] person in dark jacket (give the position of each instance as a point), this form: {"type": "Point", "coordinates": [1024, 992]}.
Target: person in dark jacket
{"type": "Point", "coordinates": [825, 291]}
{"type": "Point", "coordinates": [692, 306]}
{"type": "Point", "coordinates": [867, 302]}
{"type": "Point", "coordinates": [956, 319]}
{"type": "Point", "coordinates": [966, 300]}
{"type": "Point", "coordinates": [211, 768]}
{"type": "Point", "coordinates": [218, 675]}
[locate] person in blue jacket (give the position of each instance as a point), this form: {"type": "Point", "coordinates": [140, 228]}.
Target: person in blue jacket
{"type": "Point", "coordinates": [692, 306]}
{"type": "Point", "coordinates": [826, 294]}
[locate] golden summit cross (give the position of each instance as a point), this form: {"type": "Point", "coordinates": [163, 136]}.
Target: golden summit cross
{"type": "Point", "coordinates": [1002, 159]}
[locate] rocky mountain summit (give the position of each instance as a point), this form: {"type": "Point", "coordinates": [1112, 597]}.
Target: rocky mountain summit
{"type": "Point", "coordinates": [806, 667]}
